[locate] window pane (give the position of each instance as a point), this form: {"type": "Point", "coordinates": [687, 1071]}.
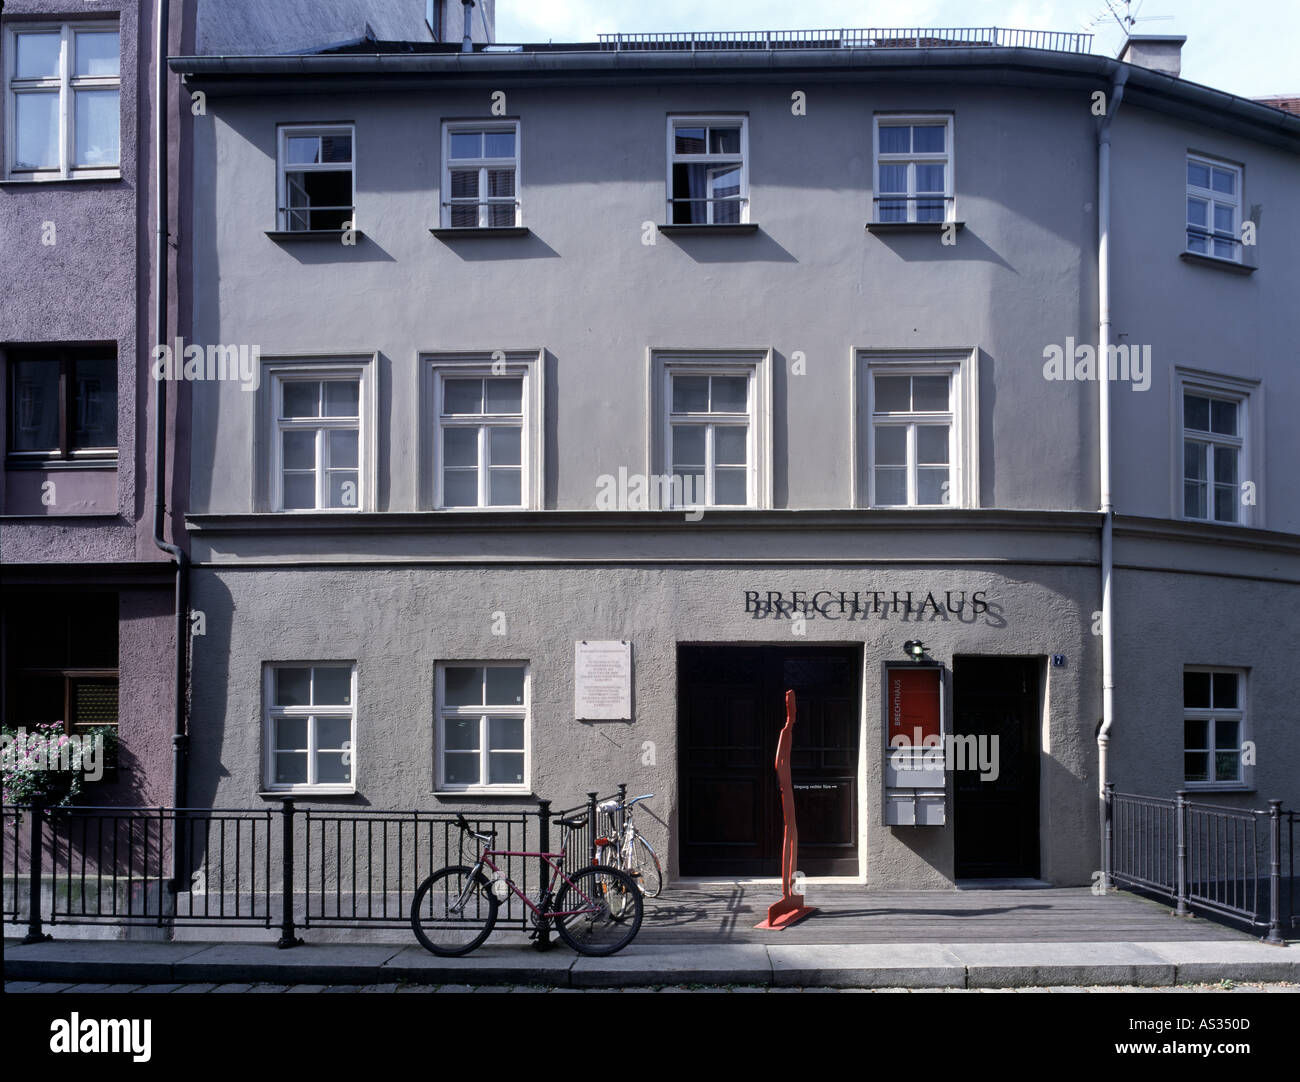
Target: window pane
{"type": "Point", "coordinates": [463, 685]}
{"type": "Point", "coordinates": [343, 449]}
{"type": "Point", "coordinates": [1224, 218]}
{"type": "Point", "coordinates": [35, 410]}
{"type": "Point", "coordinates": [688, 446]}
{"type": "Point", "coordinates": [466, 144]}
{"type": "Point", "coordinates": [499, 144]}
{"type": "Point", "coordinates": [893, 394]}
{"type": "Point", "coordinates": [1225, 249]}
{"type": "Point", "coordinates": [930, 393]}
{"type": "Point", "coordinates": [1225, 465]}
{"type": "Point", "coordinates": [333, 733]}
{"type": "Point", "coordinates": [301, 398]}
{"type": "Point", "coordinates": [505, 395]}
{"type": "Point", "coordinates": [1195, 496]}
{"type": "Point", "coordinates": [93, 701]}
{"type": "Point", "coordinates": [691, 395]}
{"type": "Point", "coordinates": [505, 486]}
{"type": "Point", "coordinates": [1225, 503]}
{"type": "Point", "coordinates": [299, 450]}
{"type": "Point", "coordinates": [895, 139]}
{"type": "Point", "coordinates": [1224, 181]}
{"type": "Point", "coordinates": [930, 486]}
{"type": "Point", "coordinates": [891, 445]}
{"type": "Point", "coordinates": [291, 734]}
{"type": "Point", "coordinates": [336, 148]}
{"type": "Point", "coordinates": [724, 140]}
{"type": "Point", "coordinates": [94, 418]}
{"type": "Point", "coordinates": [38, 130]}
{"type": "Point", "coordinates": [38, 55]}
{"type": "Point", "coordinates": [325, 197]}
{"type": "Point", "coordinates": [893, 178]}
{"type": "Point", "coordinates": [1196, 766]}
{"type": "Point", "coordinates": [1226, 766]}
{"type": "Point", "coordinates": [461, 768]}
{"type": "Point", "coordinates": [892, 210]}
{"type": "Point", "coordinates": [1196, 412]}
{"type": "Point", "coordinates": [1197, 243]}
{"type": "Point", "coordinates": [460, 488]}
{"type": "Point", "coordinates": [464, 183]}
{"type": "Point", "coordinates": [1225, 691]}
{"type": "Point", "coordinates": [460, 447]}
{"type": "Point", "coordinates": [342, 397]}
{"type": "Point", "coordinates": [1223, 417]}
{"type": "Point", "coordinates": [95, 52]}
{"type": "Point", "coordinates": [689, 140]}
{"type": "Point", "coordinates": [96, 125]}
{"type": "Point", "coordinates": [293, 688]}
{"type": "Point", "coordinates": [344, 489]}
{"type": "Point", "coordinates": [462, 396]}
{"type": "Point", "coordinates": [1194, 734]}
{"type": "Point", "coordinates": [1194, 459]}
{"type": "Point", "coordinates": [929, 178]}
{"type": "Point", "coordinates": [730, 445]}
{"type": "Point", "coordinates": [506, 768]}
{"type": "Point", "coordinates": [932, 444]}
{"type": "Point", "coordinates": [729, 487]}
{"type": "Point", "coordinates": [730, 394]}
{"type": "Point", "coordinates": [299, 491]}
{"type": "Point", "coordinates": [891, 485]}
{"type": "Point", "coordinates": [1198, 174]}
{"type": "Point", "coordinates": [291, 768]}
{"type": "Point", "coordinates": [928, 139]}
{"type": "Point", "coordinates": [505, 687]}
{"type": "Point", "coordinates": [1196, 690]}
{"type": "Point", "coordinates": [505, 734]}
{"type": "Point", "coordinates": [331, 769]}
{"type": "Point", "coordinates": [461, 733]}
{"type": "Point", "coordinates": [332, 687]}
{"type": "Point", "coordinates": [1198, 211]}
{"type": "Point", "coordinates": [501, 214]}
{"type": "Point", "coordinates": [504, 445]}
{"type": "Point", "coordinates": [501, 183]}
{"type": "Point", "coordinates": [302, 149]}
{"type": "Point", "coordinates": [1225, 734]}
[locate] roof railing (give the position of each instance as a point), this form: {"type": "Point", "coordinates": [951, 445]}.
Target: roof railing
{"type": "Point", "coordinates": [872, 38]}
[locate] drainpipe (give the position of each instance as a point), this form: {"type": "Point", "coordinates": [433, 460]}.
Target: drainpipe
{"type": "Point", "coordinates": [1103, 442]}
{"type": "Point", "coordinates": [160, 426]}
{"type": "Point", "coordinates": [467, 42]}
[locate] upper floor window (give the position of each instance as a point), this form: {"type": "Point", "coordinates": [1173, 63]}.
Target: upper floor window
{"type": "Point", "coordinates": [1213, 208]}
{"type": "Point", "coordinates": [310, 727]}
{"type": "Point", "coordinates": [316, 178]}
{"type": "Point", "coordinates": [480, 176]}
{"type": "Point", "coordinates": [708, 170]}
{"type": "Point", "coordinates": [1214, 726]}
{"type": "Point", "coordinates": [1213, 448]}
{"type": "Point", "coordinates": [914, 174]}
{"type": "Point", "coordinates": [917, 430]}
{"type": "Point", "coordinates": [62, 101]}
{"type": "Point", "coordinates": [62, 403]}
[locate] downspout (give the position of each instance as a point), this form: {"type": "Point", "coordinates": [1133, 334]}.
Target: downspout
{"type": "Point", "coordinates": [1103, 447]}
{"type": "Point", "coordinates": [160, 426]}
{"type": "Point", "coordinates": [467, 40]}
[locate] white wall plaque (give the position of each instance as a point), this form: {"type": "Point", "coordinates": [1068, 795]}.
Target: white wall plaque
{"type": "Point", "coordinates": [602, 680]}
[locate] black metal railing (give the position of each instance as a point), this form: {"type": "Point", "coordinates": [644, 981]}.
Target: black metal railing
{"type": "Point", "coordinates": [1233, 862]}
{"type": "Point", "coordinates": [869, 38]}
{"type": "Point", "coordinates": [281, 866]}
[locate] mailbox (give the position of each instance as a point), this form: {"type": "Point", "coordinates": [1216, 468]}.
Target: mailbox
{"type": "Point", "coordinates": [915, 748]}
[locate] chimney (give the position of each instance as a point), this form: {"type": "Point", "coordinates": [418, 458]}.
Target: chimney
{"type": "Point", "coordinates": [467, 44]}
{"type": "Point", "coordinates": [1159, 52]}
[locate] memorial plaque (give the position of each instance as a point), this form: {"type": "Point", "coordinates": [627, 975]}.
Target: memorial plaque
{"type": "Point", "coordinates": [602, 680]}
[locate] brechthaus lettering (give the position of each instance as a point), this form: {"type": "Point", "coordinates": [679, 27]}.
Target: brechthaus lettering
{"type": "Point", "coordinates": [854, 604]}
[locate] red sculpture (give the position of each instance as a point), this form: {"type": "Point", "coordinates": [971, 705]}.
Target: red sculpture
{"type": "Point", "coordinates": [790, 909]}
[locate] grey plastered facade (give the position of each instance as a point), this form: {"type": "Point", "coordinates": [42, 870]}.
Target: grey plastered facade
{"type": "Point", "coordinates": [397, 587]}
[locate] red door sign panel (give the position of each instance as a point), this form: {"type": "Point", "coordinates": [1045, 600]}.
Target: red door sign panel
{"type": "Point", "coordinates": [913, 707]}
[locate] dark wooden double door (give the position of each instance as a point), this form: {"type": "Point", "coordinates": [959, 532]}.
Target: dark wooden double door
{"type": "Point", "coordinates": [731, 708]}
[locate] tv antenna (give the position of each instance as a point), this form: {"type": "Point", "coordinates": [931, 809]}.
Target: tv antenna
{"type": "Point", "coordinates": [1124, 14]}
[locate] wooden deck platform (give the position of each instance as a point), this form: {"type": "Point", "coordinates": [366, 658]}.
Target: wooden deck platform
{"type": "Point", "coordinates": [727, 913]}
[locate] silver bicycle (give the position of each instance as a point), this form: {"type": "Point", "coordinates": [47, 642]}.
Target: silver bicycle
{"type": "Point", "coordinates": [624, 847]}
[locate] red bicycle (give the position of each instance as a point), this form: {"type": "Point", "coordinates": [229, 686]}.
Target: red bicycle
{"type": "Point", "coordinates": [596, 910]}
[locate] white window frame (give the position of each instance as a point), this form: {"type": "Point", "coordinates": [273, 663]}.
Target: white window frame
{"type": "Point", "coordinates": [450, 127]}
{"type": "Point", "coordinates": [268, 478]}
{"type": "Point", "coordinates": [441, 712]}
{"type": "Point", "coordinates": [1236, 201]}
{"type": "Point", "coordinates": [66, 83]}
{"type": "Point", "coordinates": [1240, 715]}
{"type": "Point", "coordinates": [271, 713]}
{"type": "Point", "coordinates": [948, 158]}
{"type": "Point", "coordinates": [962, 414]}
{"type": "Point", "coordinates": [686, 120]}
{"type": "Point", "coordinates": [525, 364]}
{"type": "Point", "coordinates": [756, 367]}
{"type": "Point", "coordinates": [1249, 441]}
{"type": "Point", "coordinates": [283, 168]}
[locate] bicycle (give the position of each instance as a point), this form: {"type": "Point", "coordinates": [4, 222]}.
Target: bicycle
{"type": "Point", "coordinates": [597, 910]}
{"type": "Point", "coordinates": [624, 847]}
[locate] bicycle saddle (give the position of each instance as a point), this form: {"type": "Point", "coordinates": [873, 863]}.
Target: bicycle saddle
{"type": "Point", "coordinates": [573, 822]}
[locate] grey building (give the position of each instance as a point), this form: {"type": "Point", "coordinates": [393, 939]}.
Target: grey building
{"type": "Point", "coordinates": [557, 408]}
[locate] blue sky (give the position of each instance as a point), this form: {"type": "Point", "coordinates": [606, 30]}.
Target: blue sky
{"type": "Point", "coordinates": [1247, 47]}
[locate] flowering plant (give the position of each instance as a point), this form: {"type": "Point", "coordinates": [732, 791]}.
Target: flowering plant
{"type": "Point", "coordinates": [48, 765]}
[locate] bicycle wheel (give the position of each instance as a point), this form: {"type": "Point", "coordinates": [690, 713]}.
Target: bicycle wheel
{"type": "Point", "coordinates": [448, 919]}
{"type": "Point", "coordinates": [608, 911]}
{"type": "Point", "coordinates": [645, 866]}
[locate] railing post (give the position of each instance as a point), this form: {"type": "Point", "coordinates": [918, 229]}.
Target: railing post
{"type": "Point", "coordinates": [591, 826]}
{"type": "Point", "coordinates": [1180, 810]}
{"type": "Point", "coordinates": [1275, 873]}
{"type": "Point", "coordinates": [622, 814]}
{"type": "Point", "coordinates": [544, 870]}
{"type": "Point", "coordinates": [34, 933]}
{"type": "Point", "coordinates": [287, 938]}
{"type": "Point", "coordinates": [1108, 839]}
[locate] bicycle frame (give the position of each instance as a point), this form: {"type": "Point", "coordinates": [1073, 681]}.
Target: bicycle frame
{"type": "Point", "coordinates": [555, 860]}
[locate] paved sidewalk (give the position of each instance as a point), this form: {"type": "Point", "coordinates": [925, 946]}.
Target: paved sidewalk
{"type": "Point", "coordinates": [776, 965]}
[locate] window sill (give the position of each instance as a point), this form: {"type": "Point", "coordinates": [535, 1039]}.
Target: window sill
{"type": "Point", "coordinates": [336, 235]}
{"type": "Point", "coordinates": [913, 227]}
{"type": "Point", "coordinates": [330, 790]}
{"type": "Point", "coordinates": [24, 182]}
{"type": "Point", "coordinates": [1218, 787]}
{"type": "Point", "coordinates": [480, 232]}
{"type": "Point", "coordinates": [484, 790]}
{"type": "Point", "coordinates": [61, 463]}
{"type": "Point", "coordinates": [1229, 265]}
{"type": "Point", "coordinates": [708, 230]}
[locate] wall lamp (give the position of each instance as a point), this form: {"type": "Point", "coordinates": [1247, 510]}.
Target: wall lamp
{"type": "Point", "coordinates": [914, 648]}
